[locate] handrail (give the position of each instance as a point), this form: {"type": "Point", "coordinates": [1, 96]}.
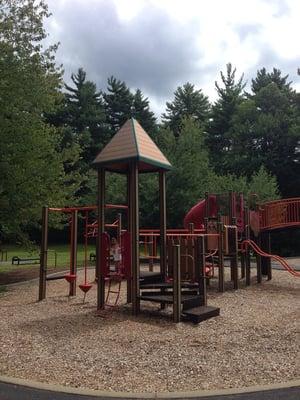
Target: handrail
{"type": "Point", "coordinates": [280, 214]}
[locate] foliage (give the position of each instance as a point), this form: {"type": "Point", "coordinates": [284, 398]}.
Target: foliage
{"type": "Point", "coordinates": [31, 167]}
{"type": "Point", "coordinates": [142, 113]}
{"type": "Point", "coordinates": [188, 180]}
{"type": "Point", "coordinates": [118, 104]}
{"type": "Point", "coordinates": [266, 131]}
{"type": "Point", "coordinates": [247, 142]}
{"type": "Point", "coordinates": [81, 119]}
{"type": "Point", "coordinates": [264, 185]}
{"type": "Point", "coordinates": [85, 114]}
{"type": "Point", "coordinates": [264, 78]}
{"type": "Point", "coordinates": [187, 102]}
{"type": "Point", "coordinates": [219, 138]}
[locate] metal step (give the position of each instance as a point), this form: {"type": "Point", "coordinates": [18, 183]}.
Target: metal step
{"type": "Point", "coordinates": [167, 285]}
{"type": "Point", "coordinates": [168, 298]}
{"type": "Point", "coordinates": [149, 277]}
{"type": "Point", "coordinates": [169, 292]}
{"type": "Point", "coordinates": [194, 301]}
{"type": "Point", "coordinates": [201, 313]}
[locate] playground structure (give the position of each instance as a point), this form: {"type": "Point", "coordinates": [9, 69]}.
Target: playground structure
{"type": "Point", "coordinates": [219, 228]}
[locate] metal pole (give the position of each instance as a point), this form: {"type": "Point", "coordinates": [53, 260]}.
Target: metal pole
{"type": "Point", "coordinates": [265, 261]}
{"type": "Point", "coordinates": [234, 259]}
{"type": "Point", "coordinates": [191, 227]}
{"type": "Point", "coordinates": [151, 252]}
{"type": "Point", "coordinates": [101, 222]}
{"type": "Point", "coordinates": [135, 290]}
{"type": "Point", "coordinates": [247, 254]}
{"type": "Point", "coordinates": [73, 266]}
{"type": "Point", "coordinates": [176, 284]}
{"type": "Point", "coordinates": [221, 257]}
{"type": "Point", "coordinates": [269, 265]}
{"type": "Point", "coordinates": [200, 270]}
{"type": "Point", "coordinates": [163, 223]}
{"type": "Point", "coordinates": [242, 265]}
{"type": "Point", "coordinates": [231, 211]}
{"type": "Point", "coordinates": [119, 229]}
{"type": "Point", "coordinates": [129, 218]}
{"type": "Point", "coordinates": [258, 261]}
{"type": "Point", "coordinates": [43, 255]}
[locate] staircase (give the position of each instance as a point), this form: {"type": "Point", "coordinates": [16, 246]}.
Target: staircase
{"type": "Point", "coordinates": [193, 308]}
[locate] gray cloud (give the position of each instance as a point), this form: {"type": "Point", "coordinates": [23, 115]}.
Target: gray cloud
{"type": "Point", "coordinates": [269, 59]}
{"type": "Point", "coordinates": [281, 7]}
{"type": "Point", "coordinates": [150, 52]}
{"type": "Point", "coordinates": [245, 30]}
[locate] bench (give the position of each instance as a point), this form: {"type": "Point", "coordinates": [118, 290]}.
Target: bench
{"type": "Point", "coordinates": [92, 257]}
{"type": "Point", "coordinates": [19, 261]}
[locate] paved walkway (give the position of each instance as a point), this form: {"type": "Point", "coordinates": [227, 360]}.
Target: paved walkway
{"type": "Point", "coordinates": [10, 391]}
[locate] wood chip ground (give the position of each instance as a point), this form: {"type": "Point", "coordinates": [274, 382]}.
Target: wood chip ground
{"type": "Point", "coordinates": [62, 341]}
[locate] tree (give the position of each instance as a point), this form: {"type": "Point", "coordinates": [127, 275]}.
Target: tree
{"type": "Point", "coordinates": [264, 185]}
{"type": "Point", "coordinates": [188, 180]}
{"type": "Point", "coordinates": [278, 135]}
{"type": "Point", "coordinates": [80, 118]}
{"type": "Point", "coordinates": [118, 104]}
{"type": "Point", "coordinates": [84, 113]}
{"type": "Point", "coordinates": [265, 132]}
{"type": "Point", "coordinates": [264, 78]}
{"type": "Point", "coordinates": [121, 104]}
{"type": "Point", "coordinates": [142, 113]}
{"type": "Point", "coordinates": [218, 130]}
{"type": "Point", "coordinates": [187, 102]}
{"type": "Point", "coordinates": [31, 166]}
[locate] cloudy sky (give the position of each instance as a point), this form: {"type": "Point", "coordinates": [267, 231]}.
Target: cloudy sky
{"type": "Point", "coordinates": [158, 45]}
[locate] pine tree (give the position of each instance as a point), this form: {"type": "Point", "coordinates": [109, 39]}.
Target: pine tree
{"type": "Point", "coordinates": [265, 132]}
{"type": "Point", "coordinates": [142, 113]}
{"type": "Point", "coordinates": [187, 182]}
{"type": "Point", "coordinates": [218, 130]}
{"type": "Point", "coordinates": [118, 104]}
{"type": "Point", "coordinates": [264, 78]}
{"type": "Point", "coordinates": [188, 102]}
{"type": "Point", "coordinates": [84, 113]}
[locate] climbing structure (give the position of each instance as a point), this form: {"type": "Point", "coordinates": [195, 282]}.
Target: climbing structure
{"type": "Point", "coordinates": [219, 229]}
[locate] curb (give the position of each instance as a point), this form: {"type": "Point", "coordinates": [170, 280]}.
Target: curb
{"type": "Point", "coordinates": [147, 395]}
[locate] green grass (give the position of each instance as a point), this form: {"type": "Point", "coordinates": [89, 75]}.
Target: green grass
{"type": "Point", "coordinates": [62, 251]}
{"type": "Point", "coordinates": [2, 289]}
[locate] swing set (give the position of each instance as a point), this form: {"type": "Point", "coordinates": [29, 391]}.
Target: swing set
{"type": "Point", "coordinates": [90, 231]}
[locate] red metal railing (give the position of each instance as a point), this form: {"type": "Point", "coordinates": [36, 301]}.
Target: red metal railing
{"type": "Point", "coordinates": [280, 214]}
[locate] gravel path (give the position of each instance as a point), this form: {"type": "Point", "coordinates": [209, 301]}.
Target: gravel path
{"type": "Point", "coordinates": [62, 341]}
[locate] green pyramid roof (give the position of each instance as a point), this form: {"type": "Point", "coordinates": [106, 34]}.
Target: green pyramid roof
{"type": "Point", "coordinates": [131, 143]}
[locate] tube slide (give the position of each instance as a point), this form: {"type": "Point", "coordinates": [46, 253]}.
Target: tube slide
{"type": "Point", "coordinates": [197, 213]}
{"type": "Point", "coordinates": [260, 252]}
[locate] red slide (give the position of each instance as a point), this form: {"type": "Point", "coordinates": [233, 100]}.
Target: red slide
{"type": "Point", "coordinates": [196, 213]}
{"type": "Point", "coordinates": [260, 252]}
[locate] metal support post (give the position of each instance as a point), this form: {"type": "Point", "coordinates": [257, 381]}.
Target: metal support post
{"type": "Point", "coordinates": [43, 255]}
{"type": "Point", "coordinates": [176, 284]}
